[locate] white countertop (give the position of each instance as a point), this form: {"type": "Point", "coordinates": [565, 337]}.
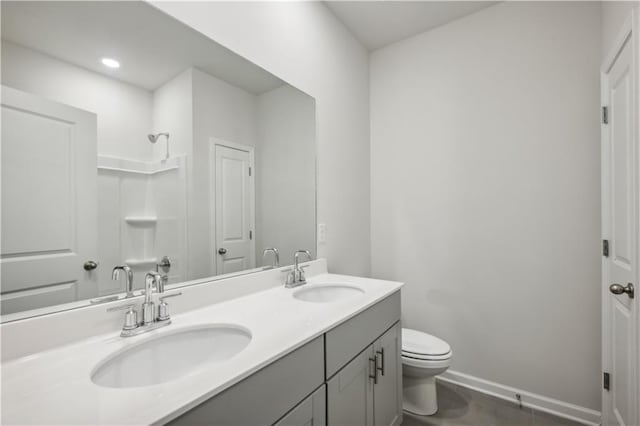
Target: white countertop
{"type": "Point", "coordinates": [55, 387]}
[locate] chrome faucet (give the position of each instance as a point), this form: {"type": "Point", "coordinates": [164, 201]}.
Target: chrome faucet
{"type": "Point", "coordinates": [152, 281]}
{"type": "Point", "coordinates": [295, 277]}
{"type": "Point", "coordinates": [276, 256]}
{"type": "Point", "coordinates": [128, 278]}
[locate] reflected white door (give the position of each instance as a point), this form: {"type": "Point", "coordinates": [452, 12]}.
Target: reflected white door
{"type": "Point", "coordinates": [48, 202]}
{"type": "Point", "coordinates": [234, 209]}
{"type": "Point", "coordinates": [620, 228]}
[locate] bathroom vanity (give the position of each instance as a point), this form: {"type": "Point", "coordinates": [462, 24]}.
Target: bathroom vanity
{"type": "Point", "coordinates": [351, 374]}
{"type": "Point", "coordinates": [327, 352]}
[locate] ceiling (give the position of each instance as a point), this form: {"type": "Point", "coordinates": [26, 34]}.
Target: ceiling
{"type": "Point", "coordinates": [379, 23]}
{"type": "Point", "coordinates": [151, 47]}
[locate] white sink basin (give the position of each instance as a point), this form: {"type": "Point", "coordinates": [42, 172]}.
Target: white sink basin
{"type": "Point", "coordinates": [327, 292]}
{"type": "Point", "coordinates": [170, 356]}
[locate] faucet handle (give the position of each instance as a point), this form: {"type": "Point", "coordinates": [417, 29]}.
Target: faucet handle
{"type": "Point", "coordinates": [130, 317]}
{"type": "Point", "coordinates": [163, 308]}
{"type": "Point", "coordinates": [290, 278]}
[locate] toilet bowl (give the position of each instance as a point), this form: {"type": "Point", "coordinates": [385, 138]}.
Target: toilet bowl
{"type": "Point", "coordinates": [423, 357]}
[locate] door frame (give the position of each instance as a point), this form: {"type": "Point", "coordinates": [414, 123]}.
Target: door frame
{"type": "Point", "coordinates": [628, 33]}
{"type": "Point", "coordinates": [213, 142]}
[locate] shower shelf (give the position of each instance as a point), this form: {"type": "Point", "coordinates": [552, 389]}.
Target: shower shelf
{"type": "Point", "coordinates": [141, 262]}
{"type": "Point", "coordinates": [141, 220]}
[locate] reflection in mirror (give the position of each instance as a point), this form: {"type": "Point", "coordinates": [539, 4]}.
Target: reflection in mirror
{"type": "Point", "coordinates": [131, 140]}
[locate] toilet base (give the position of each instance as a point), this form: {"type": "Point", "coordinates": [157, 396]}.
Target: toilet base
{"type": "Point", "coordinates": [419, 395]}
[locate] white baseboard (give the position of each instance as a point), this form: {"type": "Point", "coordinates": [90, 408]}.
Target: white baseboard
{"type": "Point", "coordinates": [556, 407]}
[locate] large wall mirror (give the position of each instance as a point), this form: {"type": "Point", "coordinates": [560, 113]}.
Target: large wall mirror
{"type": "Point", "coordinates": [130, 139]}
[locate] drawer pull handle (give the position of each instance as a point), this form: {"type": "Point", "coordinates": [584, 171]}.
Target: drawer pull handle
{"type": "Point", "coordinates": [381, 366]}
{"type": "Point", "coordinates": [373, 376]}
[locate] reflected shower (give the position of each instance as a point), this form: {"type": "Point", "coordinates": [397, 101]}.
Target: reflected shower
{"type": "Point", "coordinates": [154, 139]}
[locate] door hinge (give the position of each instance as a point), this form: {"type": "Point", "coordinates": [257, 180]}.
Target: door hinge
{"type": "Point", "coordinates": [606, 381]}
{"type": "Point", "coordinates": [605, 115]}
{"type": "Point", "coordinates": [249, 171]}
{"type": "Point", "coordinates": [251, 235]}
{"type": "Point", "coordinates": [605, 248]}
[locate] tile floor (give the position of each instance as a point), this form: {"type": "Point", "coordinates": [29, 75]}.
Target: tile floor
{"type": "Point", "coordinates": [461, 406]}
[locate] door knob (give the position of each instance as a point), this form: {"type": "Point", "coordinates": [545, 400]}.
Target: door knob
{"type": "Point", "coordinates": [90, 265]}
{"type": "Point", "coordinates": [222, 251]}
{"type": "Point", "coordinates": [619, 289]}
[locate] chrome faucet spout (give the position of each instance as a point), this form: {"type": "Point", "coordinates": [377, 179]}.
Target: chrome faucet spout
{"type": "Point", "coordinates": [115, 275]}
{"type": "Point", "coordinates": [151, 282]}
{"type": "Point", "coordinates": [297, 254]}
{"type": "Point", "coordinates": [296, 276]}
{"type": "Point", "coordinates": [276, 256]}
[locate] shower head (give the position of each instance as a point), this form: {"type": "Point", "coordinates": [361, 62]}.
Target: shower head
{"type": "Point", "coordinates": [154, 138]}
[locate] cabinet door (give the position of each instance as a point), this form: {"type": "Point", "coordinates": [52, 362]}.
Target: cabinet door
{"type": "Point", "coordinates": [387, 393]}
{"type": "Point", "coordinates": [350, 392]}
{"type": "Point", "coordinates": [310, 412]}
{"type": "Point", "coordinates": [264, 397]}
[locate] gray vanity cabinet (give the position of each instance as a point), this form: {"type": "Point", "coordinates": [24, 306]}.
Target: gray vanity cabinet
{"type": "Point", "coordinates": [368, 390]}
{"type": "Point", "coordinates": [349, 376]}
{"type": "Point", "coordinates": [310, 412]}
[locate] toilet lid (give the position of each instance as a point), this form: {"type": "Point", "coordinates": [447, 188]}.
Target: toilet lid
{"type": "Point", "coordinates": [417, 342]}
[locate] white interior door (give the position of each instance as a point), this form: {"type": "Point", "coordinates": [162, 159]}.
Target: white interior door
{"type": "Point", "coordinates": [234, 209]}
{"type": "Point", "coordinates": [48, 202]}
{"type": "Point", "coordinates": [620, 229]}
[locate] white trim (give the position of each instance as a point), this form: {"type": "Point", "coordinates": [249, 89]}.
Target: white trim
{"type": "Point", "coordinates": [125, 165]}
{"type": "Point", "coordinates": [553, 406]}
{"type": "Point", "coordinates": [212, 197]}
{"type": "Point", "coordinates": [618, 43]}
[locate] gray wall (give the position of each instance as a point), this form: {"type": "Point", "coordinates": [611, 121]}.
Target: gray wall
{"type": "Point", "coordinates": [485, 147]}
{"type": "Point", "coordinates": [285, 174]}
{"type": "Point", "coordinates": [305, 45]}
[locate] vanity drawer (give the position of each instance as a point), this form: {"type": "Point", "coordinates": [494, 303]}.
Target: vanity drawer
{"type": "Point", "coordinates": [348, 339]}
{"type": "Point", "coordinates": [265, 396]}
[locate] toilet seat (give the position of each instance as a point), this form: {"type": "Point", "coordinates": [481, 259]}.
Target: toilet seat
{"type": "Point", "coordinates": [420, 346]}
{"type": "Point", "coordinates": [427, 364]}
{"type": "Point", "coordinates": [423, 357]}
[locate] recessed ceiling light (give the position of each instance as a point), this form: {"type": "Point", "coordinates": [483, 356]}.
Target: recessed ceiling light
{"type": "Point", "coordinates": [111, 63]}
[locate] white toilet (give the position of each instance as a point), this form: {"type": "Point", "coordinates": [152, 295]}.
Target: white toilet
{"type": "Point", "coordinates": [423, 357]}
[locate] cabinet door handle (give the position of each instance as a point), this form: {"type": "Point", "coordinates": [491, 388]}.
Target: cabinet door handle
{"type": "Point", "coordinates": [375, 370]}
{"type": "Point", "coordinates": [381, 367]}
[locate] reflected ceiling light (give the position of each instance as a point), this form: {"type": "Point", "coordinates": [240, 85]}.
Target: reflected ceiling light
{"type": "Point", "coordinates": [111, 63]}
